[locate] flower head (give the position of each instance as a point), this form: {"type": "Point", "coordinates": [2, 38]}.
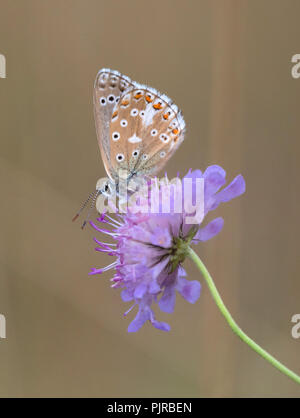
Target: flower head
{"type": "Point", "coordinates": [150, 247]}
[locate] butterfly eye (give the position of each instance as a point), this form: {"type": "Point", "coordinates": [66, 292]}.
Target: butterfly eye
{"type": "Point", "coordinates": [162, 154]}
{"type": "Point", "coordinates": [111, 98]}
{"type": "Point", "coordinates": [107, 188]}
{"type": "Point", "coordinates": [115, 136]}
{"type": "Point", "coordinates": [102, 101]}
{"type": "Point", "coordinates": [123, 123]}
{"type": "Point", "coordinates": [154, 132]}
{"type": "Point", "coordinates": [134, 112]}
{"type": "Point", "coordinates": [135, 153]}
{"type": "Point", "coordinates": [120, 157]}
{"type": "Point", "coordinates": [164, 137]}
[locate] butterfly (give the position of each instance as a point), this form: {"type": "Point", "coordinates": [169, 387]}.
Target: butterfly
{"type": "Point", "coordinates": [138, 130]}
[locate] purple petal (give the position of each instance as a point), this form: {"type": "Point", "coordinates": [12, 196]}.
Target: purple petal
{"type": "Point", "coordinates": [161, 237]}
{"type": "Point", "coordinates": [167, 301]}
{"type": "Point", "coordinates": [194, 174]}
{"type": "Point", "coordinates": [141, 317]}
{"type": "Point", "coordinates": [214, 178]}
{"type": "Point", "coordinates": [158, 269]}
{"type": "Point", "coordinates": [234, 189]}
{"type": "Point", "coordinates": [210, 230]}
{"type": "Point", "coordinates": [189, 290]}
{"type": "Point", "coordinates": [163, 326]}
{"type": "Point", "coordinates": [126, 295]}
{"type": "Point", "coordinates": [140, 290]}
{"type": "Point", "coordinates": [154, 287]}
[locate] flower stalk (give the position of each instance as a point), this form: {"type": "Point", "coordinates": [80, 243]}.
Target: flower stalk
{"type": "Point", "coordinates": [233, 325]}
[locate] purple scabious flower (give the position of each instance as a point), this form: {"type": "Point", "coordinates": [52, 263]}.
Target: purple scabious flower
{"type": "Point", "coordinates": [150, 247]}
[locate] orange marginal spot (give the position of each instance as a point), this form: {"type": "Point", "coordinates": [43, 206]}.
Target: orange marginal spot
{"type": "Point", "coordinates": [166, 116]}
{"type": "Point", "coordinates": [125, 103]}
{"type": "Point", "coordinates": [114, 114]}
{"type": "Point", "coordinates": [138, 96]}
{"type": "Point", "coordinates": [149, 99]}
{"type": "Point", "coordinates": [157, 106]}
{"type": "Point", "coordinates": [175, 131]}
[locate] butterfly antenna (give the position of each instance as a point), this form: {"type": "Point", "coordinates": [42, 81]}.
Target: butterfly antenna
{"type": "Point", "coordinates": [91, 207]}
{"type": "Point", "coordinates": [83, 206]}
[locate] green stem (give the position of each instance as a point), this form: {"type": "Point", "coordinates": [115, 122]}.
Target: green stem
{"type": "Point", "coordinates": [236, 329]}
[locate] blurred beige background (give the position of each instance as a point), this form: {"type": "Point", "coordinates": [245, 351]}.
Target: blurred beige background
{"type": "Point", "coordinates": [227, 64]}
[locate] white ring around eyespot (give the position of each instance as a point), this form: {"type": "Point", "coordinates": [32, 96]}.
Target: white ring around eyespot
{"type": "Point", "coordinates": [102, 101]}
{"type": "Point", "coordinates": [112, 97]}
{"type": "Point", "coordinates": [134, 112]}
{"type": "Point", "coordinates": [162, 154]}
{"type": "Point", "coordinates": [115, 136]}
{"type": "Point", "coordinates": [144, 157]}
{"type": "Point", "coordinates": [142, 113]}
{"type": "Point", "coordinates": [135, 153]}
{"type": "Point", "coordinates": [154, 132]}
{"type": "Point", "coordinates": [120, 157]}
{"type": "Point", "coordinates": [123, 123]}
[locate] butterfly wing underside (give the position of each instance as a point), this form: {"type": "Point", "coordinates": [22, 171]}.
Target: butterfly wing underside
{"type": "Point", "coordinates": [146, 128]}
{"type": "Point", "coordinates": [138, 128]}
{"type": "Point", "coordinates": [109, 86]}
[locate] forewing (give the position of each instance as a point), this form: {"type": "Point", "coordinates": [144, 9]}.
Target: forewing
{"type": "Point", "coordinates": [109, 86]}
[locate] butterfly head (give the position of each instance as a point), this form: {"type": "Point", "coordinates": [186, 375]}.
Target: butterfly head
{"type": "Point", "coordinates": [106, 186]}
